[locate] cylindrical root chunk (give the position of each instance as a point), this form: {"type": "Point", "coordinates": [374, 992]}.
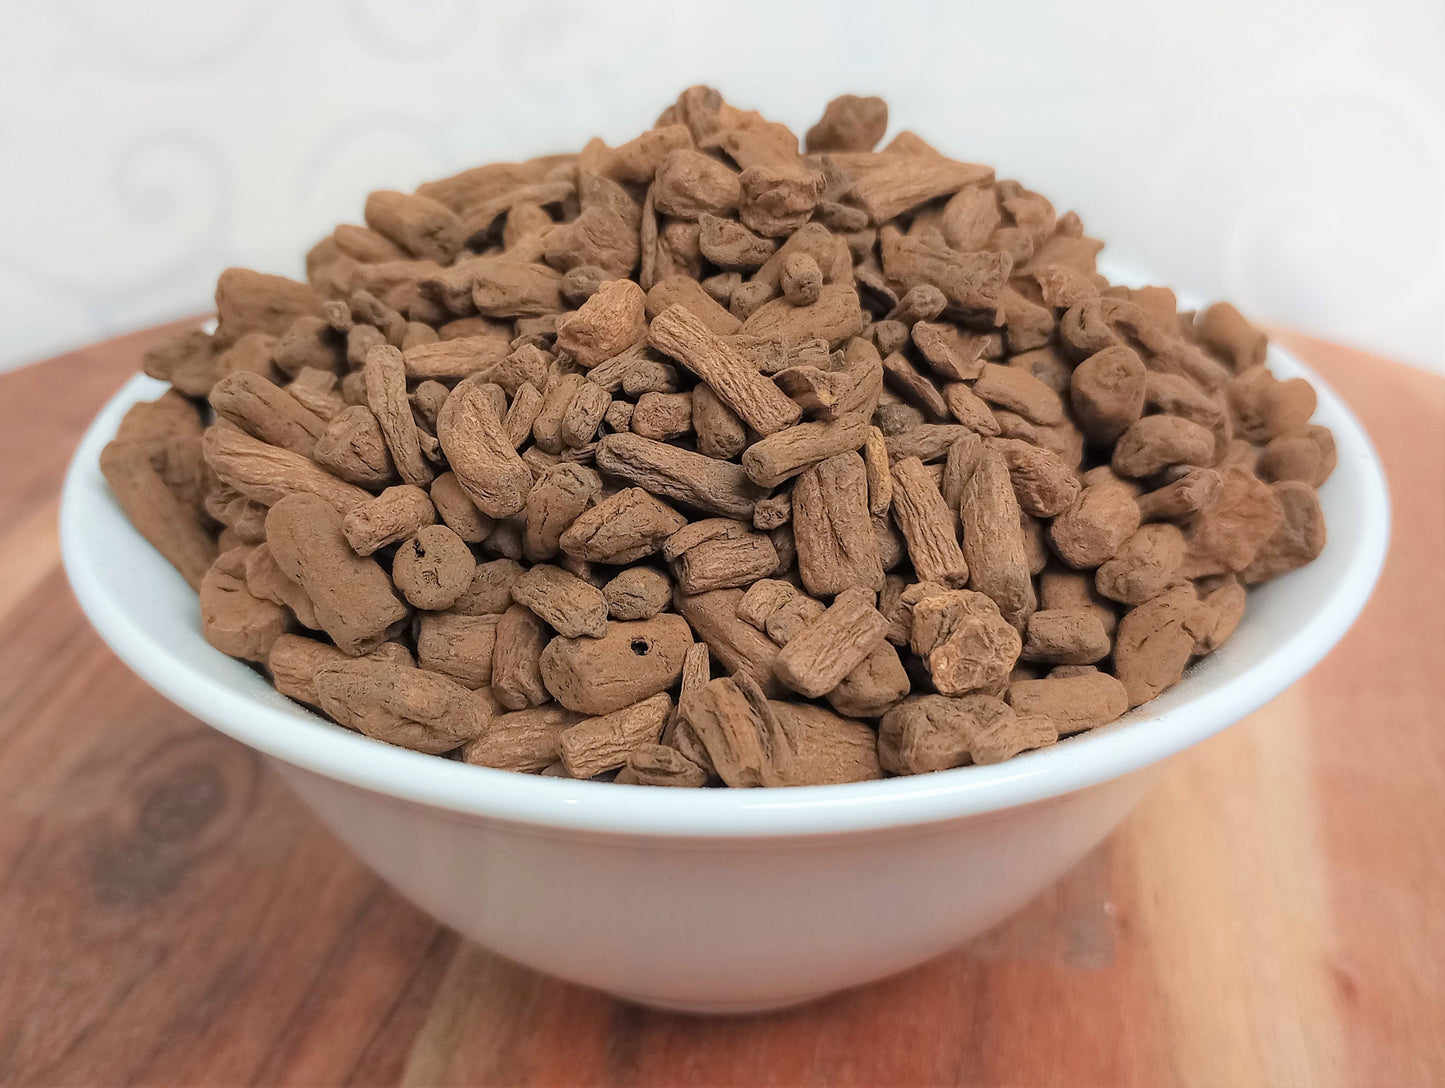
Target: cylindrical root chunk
{"type": "Point", "coordinates": [490, 591]}
{"type": "Point", "coordinates": [735, 643]}
{"type": "Point", "coordinates": [401, 705]}
{"type": "Point", "coordinates": [516, 659]}
{"type": "Point", "coordinates": [354, 599]}
{"type": "Point", "coordinates": [458, 646]}
{"type": "Point", "coordinates": [993, 540]}
{"type": "Point", "coordinates": [1144, 566]}
{"type": "Point", "coordinates": [1156, 442]}
{"type": "Point", "coordinates": [476, 445]}
{"type": "Point", "coordinates": [1181, 499]}
{"type": "Point", "coordinates": [638, 593]}
{"type": "Point", "coordinates": [928, 525]}
{"type": "Point", "coordinates": [1299, 539]}
{"type": "Point", "coordinates": [1107, 392]}
{"type": "Point", "coordinates": [265, 580]}
{"type": "Point", "coordinates": [622, 528]}
{"type": "Point", "coordinates": [872, 687]}
{"type": "Point", "coordinates": [801, 279]}
{"type": "Point", "coordinates": [933, 733]}
{"type": "Point", "coordinates": [418, 224]}
{"type": "Point", "coordinates": [385, 375]}
{"type": "Point", "coordinates": [293, 663]}
{"type": "Point", "coordinates": [827, 749]}
{"type": "Point", "coordinates": [1225, 332]}
{"type": "Point", "coordinates": [354, 448]}
{"type": "Point", "coordinates": [819, 656]}
{"type": "Point", "coordinates": [1218, 615]}
{"type": "Point", "coordinates": [433, 568]}
{"type": "Point", "coordinates": [725, 562]}
{"type": "Point", "coordinates": [836, 544]}
{"type": "Point", "coordinates": [661, 416]}
{"type": "Point", "coordinates": [1043, 484]}
{"type": "Point", "coordinates": [1264, 407]}
{"type": "Point", "coordinates": [1074, 703]}
{"type": "Point", "coordinates": [631, 662]}
{"type": "Point", "coordinates": [720, 433]}
{"type": "Point", "coordinates": [560, 494]}
{"type": "Point", "coordinates": [1308, 457]}
{"type": "Point", "coordinates": [1073, 591]}
{"type": "Point", "coordinates": [659, 765]}
{"type": "Point", "coordinates": [232, 620]}
{"type": "Point", "coordinates": [267, 473]}
{"type": "Point", "coordinates": [1154, 643]}
{"type": "Point", "coordinates": [267, 411]}
{"type": "Point", "coordinates": [570, 605]}
{"type": "Point", "coordinates": [781, 456]}
{"type": "Point", "coordinates": [457, 511]}
{"type": "Point", "coordinates": [394, 515]}
{"type": "Point", "coordinates": [1065, 637]}
{"type": "Point", "coordinates": [596, 745]}
{"type": "Point", "coordinates": [157, 512]}
{"type": "Point", "coordinates": [744, 738]}
{"type": "Point", "coordinates": [1226, 536]}
{"type": "Point", "coordinates": [524, 740]}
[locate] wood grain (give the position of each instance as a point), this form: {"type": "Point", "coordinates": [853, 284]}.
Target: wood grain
{"type": "Point", "coordinates": [170, 915]}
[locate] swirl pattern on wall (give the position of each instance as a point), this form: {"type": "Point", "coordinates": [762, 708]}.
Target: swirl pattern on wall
{"type": "Point", "coordinates": [1287, 156]}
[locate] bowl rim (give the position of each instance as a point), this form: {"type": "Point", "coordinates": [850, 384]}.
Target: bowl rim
{"type": "Point", "coordinates": [295, 735]}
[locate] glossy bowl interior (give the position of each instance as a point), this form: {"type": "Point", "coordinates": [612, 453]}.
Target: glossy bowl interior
{"type": "Point", "coordinates": [515, 860]}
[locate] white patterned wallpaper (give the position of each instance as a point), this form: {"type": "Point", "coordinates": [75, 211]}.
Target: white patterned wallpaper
{"type": "Point", "coordinates": [1287, 154]}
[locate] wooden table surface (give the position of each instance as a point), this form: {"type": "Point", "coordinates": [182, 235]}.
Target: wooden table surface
{"type": "Point", "coordinates": [1273, 914]}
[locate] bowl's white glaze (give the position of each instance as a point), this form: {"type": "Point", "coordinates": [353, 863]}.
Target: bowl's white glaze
{"type": "Point", "coordinates": [721, 900]}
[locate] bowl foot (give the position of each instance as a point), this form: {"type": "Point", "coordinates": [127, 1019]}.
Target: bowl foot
{"type": "Point", "coordinates": [722, 1008]}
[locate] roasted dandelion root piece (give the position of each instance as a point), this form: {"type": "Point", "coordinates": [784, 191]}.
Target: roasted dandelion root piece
{"type": "Point", "coordinates": [392, 516]}
{"type": "Point", "coordinates": [265, 580]}
{"type": "Point", "coordinates": [570, 606]}
{"type": "Point", "coordinates": [402, 705]}
{"type": "Point", "coordinates": [735, 643]}
{"type": "Point", "coordinates": [709, 458]}
{"type": "Point", "coordinates": [458, 646]}
{"type": "Point", "coordinates": [932, 733]}
{"type": "Point", "coordinates": [816, 659]}
{"type": "Point", "coordinates": [604, 743]}
{"type": "Point", "coordinates": [630, 662]}
{"type": "Point", "coordinates": [356, 603]}
{"type": "Point", "coordinates": [267, 473]}
{"type": "Point", "coordinates": [744, 738]}
{"type": "Point", "coordinates": [927, 524]}
{"type": "Point", "coordinates": [433, 568]}
{"type": "Point", "coordinates": [516, 659]}
{"type": "Point", "coordinates": [670, 472]}
{"type": "Point", "coordinates": [626, 526]}
{"type": "Point", "coordinates": [678, 333]}
{"type": "Point", "coordinates": [660, 765]}
{"type": "Point", "coordinates": [965, 642]}
{"type": "Point", "coordinates": [526, 740]}
{"type": "Point", "coordinates": [835, 541]}
{"type": "Point", "coordinates": [1084, 700]}
{"type": "Point", "coordinates": [232, 619]}
{"type": "Point", "coordinates": [163, 517]}
{"type": "Point", "coordinates": [637, 593]}
{"type": "Point", "coordinates": [993, 539]}
{"type": "Point", "coordinates": [482, 458]}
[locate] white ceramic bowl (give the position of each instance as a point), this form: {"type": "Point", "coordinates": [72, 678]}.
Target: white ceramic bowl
{"type": "Point", "coordinates": [720, 900]}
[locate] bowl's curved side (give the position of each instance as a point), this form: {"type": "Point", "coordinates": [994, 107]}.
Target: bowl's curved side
{"type": "Point", "coordinates": [713, 924]}
{"type": "Point", "coordinates": [148, 615]}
